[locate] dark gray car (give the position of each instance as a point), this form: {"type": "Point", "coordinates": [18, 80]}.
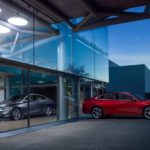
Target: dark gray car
{"type": "Point", "coordinates": [16, 107]}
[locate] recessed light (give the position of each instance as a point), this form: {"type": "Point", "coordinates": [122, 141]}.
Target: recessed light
{"type": "Point", "coordinates": [18, 21]}
{"type": "Point", "coordinates": [4, 29]}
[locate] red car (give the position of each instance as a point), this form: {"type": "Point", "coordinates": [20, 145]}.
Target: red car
{"type": "Point", "coordinates": [117, 103]}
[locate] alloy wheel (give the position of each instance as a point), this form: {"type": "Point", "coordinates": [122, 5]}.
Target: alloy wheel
{"type": "Point", "coordinates": [147, 113]}
{"type": "Point", "coordinates": [16, 114]}
{"type": "Point", "coordinates": [48, 111]}
{"type": "Point", "coordinates": [97, 112]}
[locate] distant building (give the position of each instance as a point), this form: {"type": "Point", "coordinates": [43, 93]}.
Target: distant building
{"type": "Point", "coordinates": [133, 78]}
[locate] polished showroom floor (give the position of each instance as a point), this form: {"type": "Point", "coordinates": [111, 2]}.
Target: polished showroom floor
{"type": "Point", "coordinates": [7, 124]}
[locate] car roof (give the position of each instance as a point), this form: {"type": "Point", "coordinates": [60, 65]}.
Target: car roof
{"type": "Point", "coordinates": [118, 93]}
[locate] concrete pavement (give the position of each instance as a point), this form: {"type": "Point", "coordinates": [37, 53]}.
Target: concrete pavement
{"type": "Point", "coordinates": [104, 134]}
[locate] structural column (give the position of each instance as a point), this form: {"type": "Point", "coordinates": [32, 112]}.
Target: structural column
{"type": "Point", "coordinates": [62, 100]}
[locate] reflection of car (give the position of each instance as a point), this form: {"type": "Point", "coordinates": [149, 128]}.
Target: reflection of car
{"type": "Point", "coordinates": [16, 107]}
{"type": "Point", "coordinates": [119, 103]}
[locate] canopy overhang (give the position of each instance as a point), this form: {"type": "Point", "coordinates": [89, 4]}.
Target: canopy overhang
{"type": "Point", "coordinates": [94, 13]}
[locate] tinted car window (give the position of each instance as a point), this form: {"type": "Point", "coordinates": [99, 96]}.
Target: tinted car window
{"type": "Point", "coordinates": [33, 97]}
{"type": "Point", "coordinates": [125, 97]}
{"type": "Point", "coordinates": [16, 98]}
{"type": "Point", "coordinates": [40, 97]}
{"type": "Point", "coordinates": [109, 96]}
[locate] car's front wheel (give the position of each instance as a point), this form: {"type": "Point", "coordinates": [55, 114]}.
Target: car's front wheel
{"type": "Point", "coordinates": [146, 112]}
{"type": "Point", "coordinates": [97, 113]}
{"type": "Point", "coordinates": [16, 114]}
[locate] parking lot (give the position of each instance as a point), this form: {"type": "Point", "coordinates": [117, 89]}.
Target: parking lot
{"type": "Point", "coordinates": [88, 134]}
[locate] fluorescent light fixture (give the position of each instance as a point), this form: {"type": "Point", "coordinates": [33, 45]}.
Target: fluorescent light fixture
{"type": "Point", "coordinates": [4, 29]}
{"type": "Point", "coordinates": [18, 21]}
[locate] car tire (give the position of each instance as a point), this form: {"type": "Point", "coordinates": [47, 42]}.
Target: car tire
{"type": "Point", "coordinates": [47, 111]}
{"type": "Point", "coordinates": [146, 112]}
{"type": "Point", "coordinates": [97, 112]}
{"type": "Point", "coordinates": [16, 114]}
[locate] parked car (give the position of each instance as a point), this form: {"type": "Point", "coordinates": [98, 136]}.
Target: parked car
{"type": "Point", "coordinates": [16, 107]}
{"type": "Point", "coordinates": [117, 103]}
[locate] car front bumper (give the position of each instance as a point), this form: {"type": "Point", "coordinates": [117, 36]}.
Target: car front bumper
{"type": "Point", "coordinates": [5, 113]}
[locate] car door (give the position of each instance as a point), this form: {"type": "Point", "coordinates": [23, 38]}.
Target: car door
{"type": "Point", "coordinates": [35, 107]}
{"type": "Point", "coordinates": [127, 105]}
{"type": "Point", "coordinates": [109, 103]}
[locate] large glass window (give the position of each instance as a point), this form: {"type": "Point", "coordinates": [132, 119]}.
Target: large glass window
{"type": "Point", "coordinates": [13, 92]}
{"type": "Point", "coordinates": [16, 34]}
{"type": "Point", "coordinates": [83, 54]}
{"type": "Point", "coordinates": [46, 45]}
{"type": "Point", "coordinates": [43, 97]}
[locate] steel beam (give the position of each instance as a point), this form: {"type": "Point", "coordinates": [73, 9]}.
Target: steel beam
{"type": "Point", "coordinates": [112, 21]}
{"type": "Point", "coordinates": [47, 8]}
{"type": "Point", "coordinates": [84, 21]}
{"type": "Point", "coordinates": [88, 6]}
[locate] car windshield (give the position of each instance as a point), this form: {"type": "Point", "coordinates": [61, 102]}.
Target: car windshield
{"type": "Point", "coordinates": [138, 97]}
{"type": "Point", "coordinates": [16, 98]}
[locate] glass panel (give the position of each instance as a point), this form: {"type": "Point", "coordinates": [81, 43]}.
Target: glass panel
{"type": "Point", "coordinates": [46, 45]}
{"type": "Point", "coordinates": [101, 67]}
{"type": "Point", "coordinates": [85, 93]}
{"type": "Point", "coordinates": [43, 98]}
{"type": "Point", "coordinates": [65, 49]}
{"type": "Point", "coordinates": [99, 88]}
{"type": "Point", "coordinates": [83, 54]}
{"type": "Point", "coordinates": [13, 90]}
{"type": "Point", "coordinates": [16, 41]}
{"type": "Point", "coordinates": [70, 93]}
{"type": "Point", "coordinates": [101, 40]}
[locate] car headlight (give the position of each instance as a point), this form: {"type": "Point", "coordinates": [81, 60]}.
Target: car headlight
{"type": "Point", "coordinates": [4, 108]}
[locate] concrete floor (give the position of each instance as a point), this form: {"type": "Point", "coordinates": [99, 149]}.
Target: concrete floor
{"type": "Point", "coordinates": [104, 134]}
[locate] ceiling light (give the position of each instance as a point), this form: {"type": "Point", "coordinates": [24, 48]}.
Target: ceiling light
{"type": "Point", "coordinates": [18, 21]}
{"type": "Point", "coordinates": [4, 29]}
{"type": "Point", "coordinates": [0, 10]}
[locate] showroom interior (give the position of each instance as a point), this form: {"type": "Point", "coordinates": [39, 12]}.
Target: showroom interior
{"type": "Point", "coordinates": [43, 56]}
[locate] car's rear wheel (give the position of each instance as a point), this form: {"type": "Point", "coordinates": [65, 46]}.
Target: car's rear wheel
{"type": "Point", "coordinates": [16, 114]}
{"type": "Point", "coordinates": [146, 112]}
{"type": "Point", "coordinates": [48, 111]}
{"type": "Point", "coordinates": [97, 113]}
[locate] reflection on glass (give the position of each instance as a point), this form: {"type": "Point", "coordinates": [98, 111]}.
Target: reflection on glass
{"type": "Point", "coordinates": [83, 55]}
{"type": "Point", "coordinates": [13, 110]}
{"type": "Point", "coordinates": [70, 94]}
{"type": "Point", "coordinates": [85, 93]}
{"type": "Point", "coordinates": [43, 98]}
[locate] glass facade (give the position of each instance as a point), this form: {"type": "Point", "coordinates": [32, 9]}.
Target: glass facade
{"type": "Point", "coordinates": [74, 63]}
{"type": "Point", "coordinates": [84, 53]}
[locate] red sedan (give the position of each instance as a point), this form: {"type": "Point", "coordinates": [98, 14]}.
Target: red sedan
{"type": "Point", "coordinates": [119, 103]}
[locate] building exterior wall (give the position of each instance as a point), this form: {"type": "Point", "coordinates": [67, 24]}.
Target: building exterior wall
{"type": "Point", "coordinates": [127, 78]}
{"type": "Point", "coordinates": [147, 83]}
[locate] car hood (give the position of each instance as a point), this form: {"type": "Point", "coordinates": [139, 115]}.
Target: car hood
{"type": "Point", "coordinates": [7, 103]}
